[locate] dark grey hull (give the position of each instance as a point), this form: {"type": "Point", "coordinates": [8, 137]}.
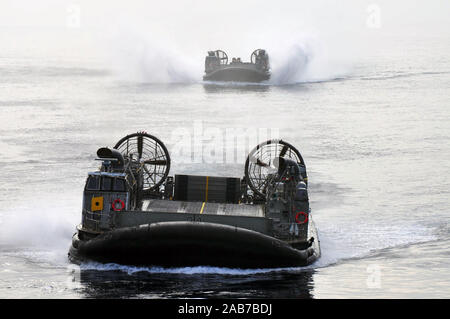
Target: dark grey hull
{"type": "Point", "coordinates": [181, 244]}
{"type": "Point", "coordinates": [237, 74]}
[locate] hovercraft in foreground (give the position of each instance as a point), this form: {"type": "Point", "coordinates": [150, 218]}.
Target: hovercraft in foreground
{"type": "Point", "coordinates": [134, 213]}
{"type": "Point", "coordinates": [217, 67]}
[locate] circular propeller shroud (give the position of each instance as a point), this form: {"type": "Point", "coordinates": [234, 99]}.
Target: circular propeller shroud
{"type": "Point", "coordinates": [223, 57]}
{"type": "Point", "coordinates": [260, 163]}
{"type": "Point", "coordinates": [254, 55]}
{"type": "Point", "coordinates": [151, 153]}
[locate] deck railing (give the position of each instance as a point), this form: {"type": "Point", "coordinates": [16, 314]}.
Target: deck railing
{"type": "Point", "coordinates": [91, 220]}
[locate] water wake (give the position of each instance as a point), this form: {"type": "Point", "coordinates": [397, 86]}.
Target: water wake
{"type": "Point", "coordinates": [143, 58]}
{"type": "Point", "coordinates": [306, 59]}
{"type": "Point", "coordinates": [139, 57]}
{"type": "Point", "coordinates": [178, 270]}
{"type": "Point", "coordinates": [42, 233]}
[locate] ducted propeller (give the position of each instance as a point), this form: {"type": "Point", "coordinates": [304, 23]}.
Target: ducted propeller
{"type": "Point", "coordinates": [151, 153]}
{"type": "Point", "coordinates": [264, 160]}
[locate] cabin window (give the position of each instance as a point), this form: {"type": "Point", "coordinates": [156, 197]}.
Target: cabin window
{"type": "Point", "coordinates": [119, 185]}
{"type": "Point", "coordinates": [93, 183]}
{"type": "Point", "coordinates": [106, 183]}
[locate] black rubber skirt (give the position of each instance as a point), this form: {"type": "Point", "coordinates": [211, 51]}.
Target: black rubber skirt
{"type": "Point", "coordinates": [181, 244]}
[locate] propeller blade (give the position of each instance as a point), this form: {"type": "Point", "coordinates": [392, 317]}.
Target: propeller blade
{"type": "Point", "coordinates": [140, 145]}
{"type": "Point", "coordinates": [283, 150]}
{"type": "Point", "coordinates": [259, 163]}
{"type": "Point", "coordinates": [150, 175]}
{"type": "Point", "coordinates": [156, 162]}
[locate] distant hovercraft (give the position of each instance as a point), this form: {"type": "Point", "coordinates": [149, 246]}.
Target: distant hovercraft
{"type": "Point", "coordinates": [217, 67]}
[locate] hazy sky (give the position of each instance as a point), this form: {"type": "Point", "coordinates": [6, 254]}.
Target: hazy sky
{"type": "Point", "coordinates": [407, 16]}
{"type": "Point", "coordinates": [133, 29]}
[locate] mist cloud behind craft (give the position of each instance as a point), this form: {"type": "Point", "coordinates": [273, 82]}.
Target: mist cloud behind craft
{"type": "Point", "coordinates": [166, 42]}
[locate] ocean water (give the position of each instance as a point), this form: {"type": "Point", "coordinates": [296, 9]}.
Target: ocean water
{"type": "Point", "coordinates": [374, 130]}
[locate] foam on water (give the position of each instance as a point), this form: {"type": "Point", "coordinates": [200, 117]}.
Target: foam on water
{"type": "Point", "coordinates": [356, 240]}
{"type": "Point", "coordinates": [41, 233]}
{"type": "Point", "coordinates": [179, 270]}
{"type": "Point", "coordinates": [306, 58]}
{"type": "Point", "coordinates": [139, 56]}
